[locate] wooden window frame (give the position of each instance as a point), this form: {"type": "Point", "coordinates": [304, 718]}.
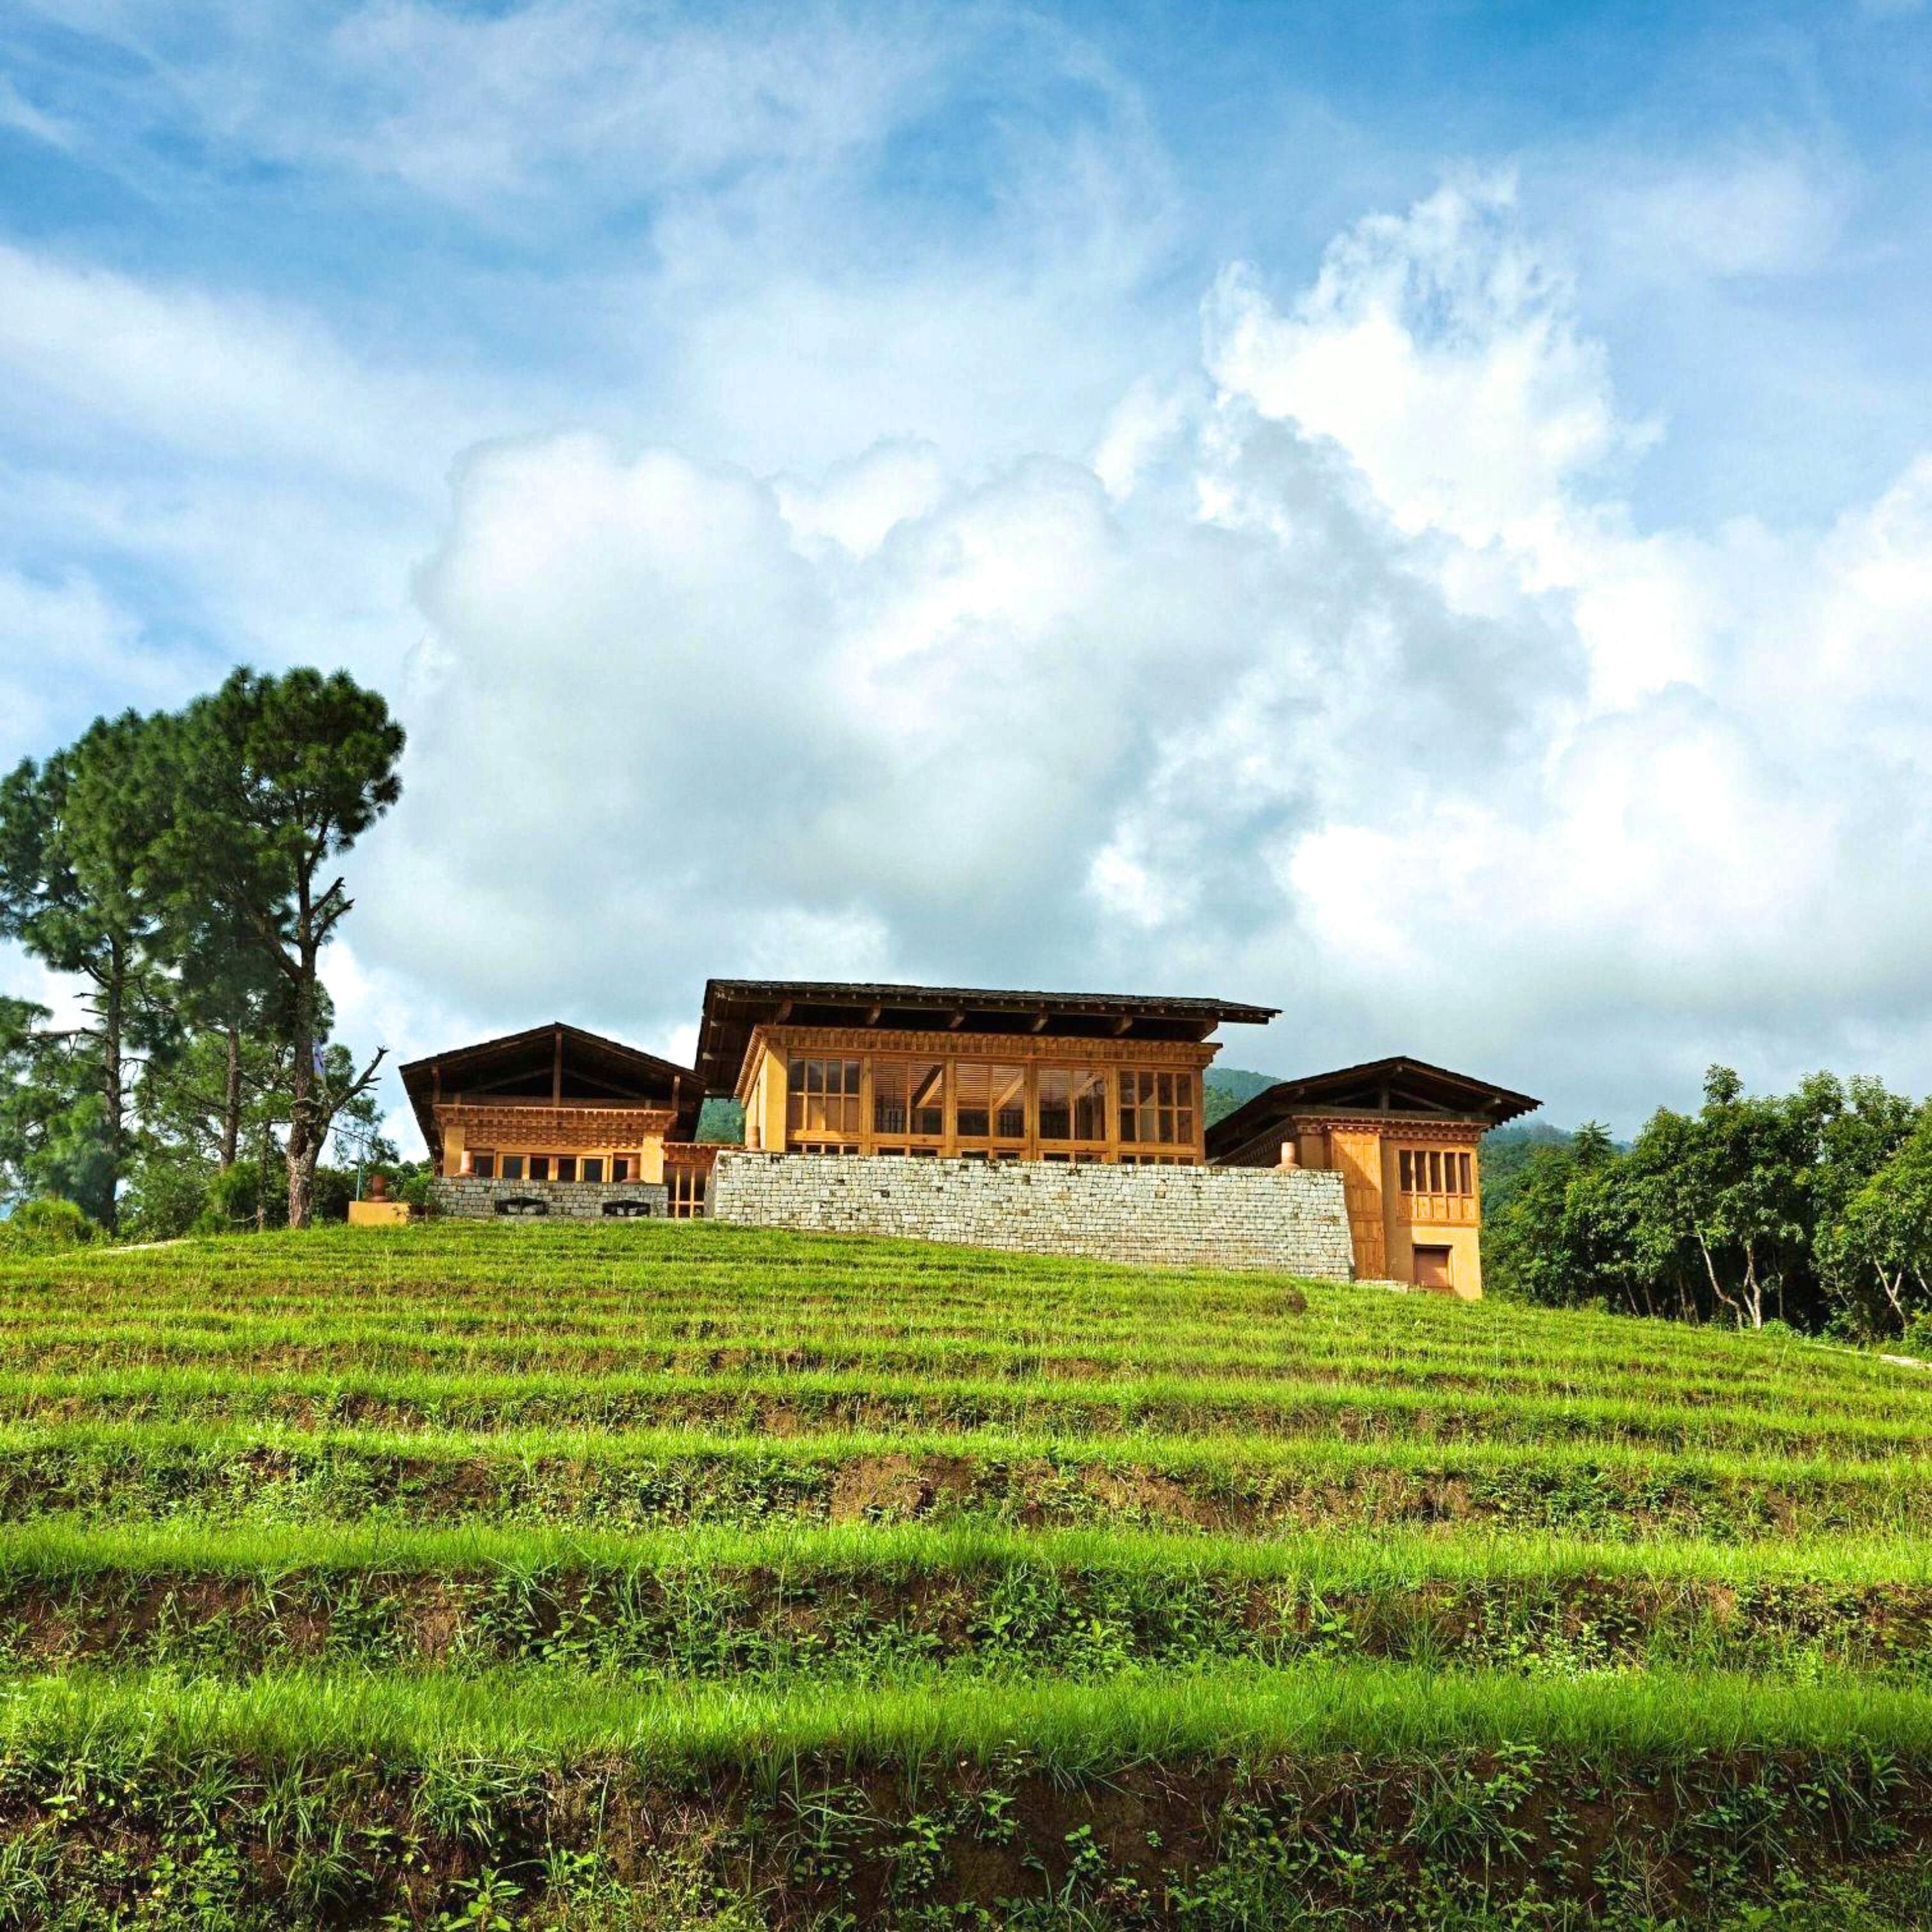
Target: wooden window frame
{"type": "Point", "coordinates": [800, 1092]}
{"type": "Point", "coordinates": [1174, 1100]}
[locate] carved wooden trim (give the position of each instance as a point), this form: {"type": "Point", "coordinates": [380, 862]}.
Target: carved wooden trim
{"type": "Point", "coordinates": [564, 1126]}
{"type": "Point", "coordinates": [1394, 1129]}
{"type": "Point", "coordinates": [858, 1041]}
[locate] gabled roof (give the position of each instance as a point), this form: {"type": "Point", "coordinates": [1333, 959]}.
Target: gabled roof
{"type": "Point", "coordinates": [1398, 1086]}
{"type": "Point", "coordinates": [524, 1066]}
{"type": "Point", "coordinates": [733, 1008]}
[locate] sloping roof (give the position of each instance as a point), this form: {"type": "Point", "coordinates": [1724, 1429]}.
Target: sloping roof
{"type": "Point", "coordinates": [734, 1007]}
{"type": "Point", "coordinates": [1398, 1086]}
{"type": "Point", "coordinates": [627, 1074]}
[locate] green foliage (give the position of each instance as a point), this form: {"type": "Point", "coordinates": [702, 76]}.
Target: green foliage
{"type": "Point", "coordinates": [278, 777]}
{"type": "Point", "coordinates": [721, 1120]}
{"type": "Point", "coordinates": [1508, 1156]}
{"type": "Point", "coordinates": [1225, 1088]}
{"type": "Point", "coordinates": [173, 865]}
{"type": "Point", "coordinates": [45, 1226]}
{"type": "Point", "coordinates": [1877, 1252]}
{"type": "Point", "coordinates": [1737, 1214]}
{"type": "Point", "coordinates": [76, 835]}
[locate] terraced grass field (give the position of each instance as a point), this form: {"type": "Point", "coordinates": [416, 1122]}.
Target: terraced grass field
{"type": "Point", "coordinates": [672, 1575]}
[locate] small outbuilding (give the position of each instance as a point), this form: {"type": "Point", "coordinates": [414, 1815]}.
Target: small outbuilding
{"type": "Point", "coordinates": [557, 1107]}
{"type": "Point", "coordinates": [1405, 1138]}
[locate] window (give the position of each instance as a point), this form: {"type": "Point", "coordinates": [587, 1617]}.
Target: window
{"type": "Point", "coordinates": [566, 1167]}
{"type": "Point", "coordinates": [1072, 1104]}
{"type": "Point", "coordinates": [684, 1186]}
{"type": "Point", "coordinates": [513, 1167]}
{"type": "Point", "coordinates": [825, 1146]}
{"type": "Point", "coordinates": [593, 1168]}
{"type": "Point", "coordinates": [539, 1167]}
{"type": "Point", "coordinates": [1436, 1171]}
{"type": "Point", "coordinates": [824, 1096]}
{"type": "Point", "coordinates": [909, 1097]}
{"type": "Point", "coordinates": [1157, 1107]}
{"type": "Point", "coordinates": [990, 1101]}
{"type": "Point", "coordinates": [620, 1167]}
{"type": "Point", "coordinates": [481, 1161]}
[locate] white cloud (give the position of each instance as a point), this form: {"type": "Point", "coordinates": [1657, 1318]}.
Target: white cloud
{"type": "Point", "coordinates": [218, 377]}
{"type": "Point", "coordinates": [1754, 211]}
{"type": "Point", "coordinates": [1357, 687]}
{"type": "Point", "coordinates": [928, 601]}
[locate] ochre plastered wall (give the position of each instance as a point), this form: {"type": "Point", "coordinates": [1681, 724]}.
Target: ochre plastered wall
{"type": "Point", "coordinates": [1388, 1225]}
{"type": "Point", "coordinates": [1424, 1221]}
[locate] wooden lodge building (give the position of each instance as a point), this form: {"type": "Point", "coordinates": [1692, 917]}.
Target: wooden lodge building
{"type": "Point", "coordinates": [557, 1120]}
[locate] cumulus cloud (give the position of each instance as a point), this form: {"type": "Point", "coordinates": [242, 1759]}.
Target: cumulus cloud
{"type": "Point", "coordinates": [1345, 680]}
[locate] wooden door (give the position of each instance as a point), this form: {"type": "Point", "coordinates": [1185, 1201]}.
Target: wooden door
{"type": "Point", "coordinates": [1432, 1267]}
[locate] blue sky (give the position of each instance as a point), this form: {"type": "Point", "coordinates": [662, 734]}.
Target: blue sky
{"type": "Point", "coordinates": [1420, 514]}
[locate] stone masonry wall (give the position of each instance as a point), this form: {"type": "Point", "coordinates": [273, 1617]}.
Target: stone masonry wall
{"type": "Point", "coordinates": [1295, 1220]}
{"type": "Point", "coordinates": [562, 1200]}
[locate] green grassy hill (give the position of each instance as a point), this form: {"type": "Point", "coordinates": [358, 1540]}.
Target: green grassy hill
{"type": "Point", "coordinates": [675, 1576]}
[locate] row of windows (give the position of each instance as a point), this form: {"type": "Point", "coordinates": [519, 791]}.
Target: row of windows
{"type": "Point", "coordinates": [987, 1101]}
{"type": "Point", "coordinates": [488, 1164]}
{"type": "Point", "coordinates": [1067, 1156]}
{"type": "Point", "coordinates": [1435, 1171]}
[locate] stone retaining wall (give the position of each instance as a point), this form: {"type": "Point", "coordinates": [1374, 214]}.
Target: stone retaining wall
{"type": "Point", "coordinates": [559, 1200]}
{"type": "Point", "coordinates": [1295, 1220]}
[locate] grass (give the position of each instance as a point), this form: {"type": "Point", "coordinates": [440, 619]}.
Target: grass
{"type": "Point", "coordinates": [681, 1576]}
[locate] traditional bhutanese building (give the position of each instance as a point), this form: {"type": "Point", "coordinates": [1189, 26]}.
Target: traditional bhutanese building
{"type": "Point", "coordinates": [1405, 1138]}
{"type": "Point", "coordinates": [559, 1120]}
{"type": "Point", "coordinates": [963, 1072]}
{"type": "Point", "coordinates": [557, 1106]}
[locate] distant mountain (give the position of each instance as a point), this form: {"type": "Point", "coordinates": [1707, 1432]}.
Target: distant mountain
{"type": "Point", "coordinates": [1506, 1154]}
{"type": "Point", "coordinates": [1226, 1087]}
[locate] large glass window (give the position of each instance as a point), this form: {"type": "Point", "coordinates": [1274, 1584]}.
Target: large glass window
{"type": "Point", "coordinates": [990, 1101]}
{"type": "Point", "coordinates": [909, 1097]}
{"type": "Point", "coordinates": [824, 1096]}
{"type": "Point", "coordinates": [1157, 1108]}
{"type": "Point", "coordinates": [1072, 1104]}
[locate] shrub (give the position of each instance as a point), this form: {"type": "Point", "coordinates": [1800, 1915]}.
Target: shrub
{"type": "Point", "coordinates": [45, 1226]}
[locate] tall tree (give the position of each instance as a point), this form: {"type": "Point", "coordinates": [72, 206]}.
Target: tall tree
{"type": "Point", "coordinates": [77, 838]}
{"type": "Point", "coordinates": [51, 1137]}
{"type": "Point", "coordinates": [279, 776]}
{"type": "Point", "coordinates": [1882, 1241]}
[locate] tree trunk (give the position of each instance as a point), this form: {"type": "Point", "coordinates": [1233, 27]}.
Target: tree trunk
{"type": "Point", "coordinates": [262, 1180]}
{"type": "Point", "coordinates": [1717, 1287]}
{"type": "Point", "coordinates": [1753, 1288]}
{"type": "Point", "coordinates": [302, 1149]}
{"type": "Point", "coordinates": [113, 993]}
{"type": "Point", "coordinates": [231, 1103]}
